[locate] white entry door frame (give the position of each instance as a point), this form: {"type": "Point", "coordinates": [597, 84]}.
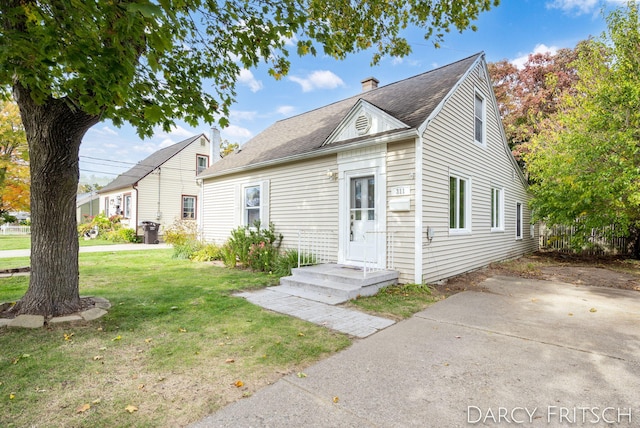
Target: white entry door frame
{"type": "Point", "coordinates": [362, 208]}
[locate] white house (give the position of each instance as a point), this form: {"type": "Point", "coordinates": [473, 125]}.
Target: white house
{"type": "Point", "coordinates": [414, 176]}
{"type": "Point", "coordinates": [160, 188]}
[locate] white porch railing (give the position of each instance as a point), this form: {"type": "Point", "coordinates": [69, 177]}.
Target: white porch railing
{"type": "Point", "coordinates": [370, 262]}
{"type": "Point", "coordinates": [317, 246]}
{"type": "Point", "coordinates": [321, 246]}
{"type": "Point", "coordinates": [12, 229]}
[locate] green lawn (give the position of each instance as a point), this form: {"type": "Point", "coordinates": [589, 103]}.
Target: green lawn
{"type": "Point", "coordinates": [175, 345]}
{"type": "Point", "coordinates": [23, 242]}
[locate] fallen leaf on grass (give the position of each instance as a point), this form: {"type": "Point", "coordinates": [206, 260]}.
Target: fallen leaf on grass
{"type": "Point", "coordinates": [238, 384]}
{"type": "Point", "coordinates": [182, 330]}
{"type": "Point", "coordinates": [141, 386]}
{"type": "Point", "coordinates": [148, 340]}
{"type": "Point", "coordinates": [300, 334]}
{"type": "Point", "coordinates": [131, 408]}
{"type": "Point", "coordinates": [83, 408]}
{"type": "Point", "coordinates": [102, 348]}
{"type": "Point", "coordinates": [98, 358]}
{"type": "Point", "coordinates": [229, 360]}
{"type": "Point", "coordinates": [118, 337]}
{"type": "Point", "coordinates": [301, 375]}
{"type": "Point", "coordinates": [96, 401]}
{"type": "Point", "coordinates": [12, 396]}
{"type": "Point", "coordinates": [68, 337]}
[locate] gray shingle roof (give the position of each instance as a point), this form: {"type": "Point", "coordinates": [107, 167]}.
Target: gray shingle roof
{"type": "Point", "coordinates": [146, 166]}
{"type": "Point", "coordinates": [411, 101]}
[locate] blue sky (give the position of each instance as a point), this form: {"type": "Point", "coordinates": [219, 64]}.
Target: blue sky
{"type": "Point", "coordinates": [511, 31]}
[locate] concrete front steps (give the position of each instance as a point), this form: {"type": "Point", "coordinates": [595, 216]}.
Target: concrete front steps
{"type": "Point", "coordinates": [334, 284]}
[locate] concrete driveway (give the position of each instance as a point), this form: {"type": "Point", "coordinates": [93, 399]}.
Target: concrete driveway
{"type": "Point", "coordinates": [523, 352]}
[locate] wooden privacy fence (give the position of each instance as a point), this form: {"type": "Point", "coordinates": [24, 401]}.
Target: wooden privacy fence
{"type": "Point", "coordinates": [600, 242]}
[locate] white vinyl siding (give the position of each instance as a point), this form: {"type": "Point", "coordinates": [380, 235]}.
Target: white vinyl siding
{"type": "Point", "coordinates": [401, 224]}
{"type": "Point", "coordinates": [294, 197]}
{"type": "Point", "coordinates": [446, 150]}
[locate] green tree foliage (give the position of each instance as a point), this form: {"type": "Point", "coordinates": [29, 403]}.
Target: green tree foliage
{"type": "Point", "coordinates": [72, 63]}
{"type": "Point", "coordinates": [585, 163]}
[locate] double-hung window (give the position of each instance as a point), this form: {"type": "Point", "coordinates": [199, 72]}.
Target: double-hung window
{"type": "Point", "coordinates": [188, 207]}
{"type": "Point", "coordinates": [202, 163]}
{"type": "Point", "coordinates": [459, 204]}
{"type": "Point", "coordinates": [497, 209]}
{"type": "Point", "coordinates": [479, 115]}
{"type": "Point", "coordinates": [251, 205]}
{"type": "Point", "coordinates": [127, 205]}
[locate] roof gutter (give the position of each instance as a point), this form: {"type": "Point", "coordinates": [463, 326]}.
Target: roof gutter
{"type": "Point", "coordinates": [323, 151]}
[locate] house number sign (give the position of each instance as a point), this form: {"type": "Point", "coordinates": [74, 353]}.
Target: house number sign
{"type": "Point", "coordinates": [400, 191]}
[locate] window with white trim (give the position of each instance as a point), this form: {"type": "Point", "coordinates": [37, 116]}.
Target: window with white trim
{"type": "Point", "coordinates": [127, 205]}
{"type": "Point", "coordinates": [497, 209]}
{"type": "Point", "coordinates": [251, 205]}
{"type": "Point", "coordinates": [459, 203]}
{"type": "Point", "coordinates": [188, 207]}
{"type": "Point", "coordinates": [518, 220]}
{"type": "Point", "coordinates": [202, 163]}
{"type": "Point", "coordinates": [479, 117]}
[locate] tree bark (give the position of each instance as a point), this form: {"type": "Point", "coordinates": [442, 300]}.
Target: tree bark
{"type": "Point", "coordinates": [54, 132]}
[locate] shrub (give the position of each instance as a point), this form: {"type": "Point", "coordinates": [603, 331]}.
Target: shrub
{"type": "Point", "coordinates": [253, 247]}
{"type": "Point", "coordinates": [289, 260]}
{"type": "Point", "coordinates": [102, 224]}
{"type": "Point", "coordinates": [186, 250]}
{"type": "Point", "coordinates": [207, 253]}
{"type": "Point", "coordinates": [180, 232]}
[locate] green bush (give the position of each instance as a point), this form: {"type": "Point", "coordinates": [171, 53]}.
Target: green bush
{"type": "Point", "coordinates": [289, 260]}
{"type": "Point", "coordinates": [207, 253]}
{"type": "Point", "coordinates": [104, 225]}
{"type": "Point", "coordinates": [180, 232]}
{"type": "Point", "coordinates": [186, 250]}
{"type": "Point", "coordinates": [253, 247]}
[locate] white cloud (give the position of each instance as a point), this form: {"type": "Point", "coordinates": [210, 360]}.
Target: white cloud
{"type": "Point", "coordinates": [145, 147]}
{"type": "Point", "coordinates": [234, 133]}
{"type": "Point", "coordinates": [110, 146]}
{"type": "Point", "coordinates": [166, 143]}
{"type": "Point", "coordinates": [245, 77]}
{"type": "Point", "coordinates": [539, 49]}
{"type": "Point", "coordinates": [240, 115]}
{"type": "Point", "coordinates": [285, 110]}
{"type": "Point", "coordinates": [578, 6]}
{"type": "Point", "coordinates": [320, 79]}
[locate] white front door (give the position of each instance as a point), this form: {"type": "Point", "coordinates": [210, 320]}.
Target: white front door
{"type": "Point", "coordinates": [362, 219]}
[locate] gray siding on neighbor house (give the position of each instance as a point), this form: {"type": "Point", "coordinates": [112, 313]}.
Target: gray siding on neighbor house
{"type": "Point", "coordinates": [401, 224]}
{"type": "Point", "coordinates": [301, 197]}
{"type": "Point", "coordinates": [449, 147]}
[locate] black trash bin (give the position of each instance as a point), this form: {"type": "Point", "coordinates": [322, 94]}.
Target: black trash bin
{"type": "Point", "coordinates": [150, 232]}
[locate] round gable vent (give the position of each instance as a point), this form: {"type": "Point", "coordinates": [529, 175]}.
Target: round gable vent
{"type": "Point", "coordinates": [363, 123]}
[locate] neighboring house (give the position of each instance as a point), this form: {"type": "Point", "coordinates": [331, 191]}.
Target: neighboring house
{"type": "Point", "coordinates": [415, 176]}
{"type": "Point", "coordinates": [87, 205]}
{"type": "Point", "coordinates": [160, 188]}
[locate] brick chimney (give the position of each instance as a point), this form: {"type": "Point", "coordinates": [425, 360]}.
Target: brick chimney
{"type": "Point", "coordinates": [369, 83]}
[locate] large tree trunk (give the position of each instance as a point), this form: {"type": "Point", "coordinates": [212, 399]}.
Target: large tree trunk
{"type": "Point", "coordinates": [54, 132]}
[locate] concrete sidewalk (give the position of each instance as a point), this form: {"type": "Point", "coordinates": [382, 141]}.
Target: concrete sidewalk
{"type": "Point", "coordinates": [5, 254]}
{"type": "Point", "coordinates": [525, 352]}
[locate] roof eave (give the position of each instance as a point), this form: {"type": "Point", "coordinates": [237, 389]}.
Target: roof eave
{"type": "Point", "coordinates": [323, 151]}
